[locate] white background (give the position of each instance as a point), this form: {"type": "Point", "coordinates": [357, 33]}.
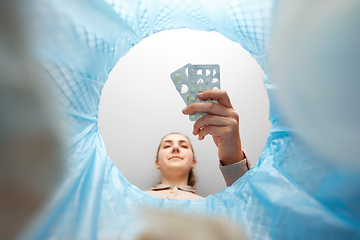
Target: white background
{"type": "Point", "coordinates": [139, 104]}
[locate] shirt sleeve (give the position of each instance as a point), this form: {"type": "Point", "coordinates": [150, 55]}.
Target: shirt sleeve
{"type": "Point", "coordinates": [234, 171]}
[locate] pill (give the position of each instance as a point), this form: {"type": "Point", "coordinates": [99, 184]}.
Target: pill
{"type": "Point", "coordinates": [193, 99]}
{"type": "Point", "coordinates": [178, 78]}
{"type": "Point", "coordinates": [187, 98]}
{"type": "Point", "coordinates": [200, 116]}
{"type": "Point", "coordinates": [200, 89]}
{"type": "Point", "coordinates": [208, 88]}
{"type": "Point", "coordinates": [193, 116]}
{"type": "Point", "coordinates": [193, 89]}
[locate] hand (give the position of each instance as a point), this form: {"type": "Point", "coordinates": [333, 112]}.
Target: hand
{"type": "Point", "coordinates": [222, 122]}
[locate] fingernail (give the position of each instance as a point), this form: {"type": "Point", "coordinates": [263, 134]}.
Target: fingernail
{"type": "Point", "coordinates": [199, 94]}
{"type": "Point", "coordinates": [184, 110]}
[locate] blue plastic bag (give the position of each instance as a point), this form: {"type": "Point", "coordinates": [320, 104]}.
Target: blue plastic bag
{"type": "Point", "coordinates": [291, 193]}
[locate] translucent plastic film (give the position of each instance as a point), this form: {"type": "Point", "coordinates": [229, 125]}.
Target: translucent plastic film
{"type": "Point", "coordinates": [291, 193]}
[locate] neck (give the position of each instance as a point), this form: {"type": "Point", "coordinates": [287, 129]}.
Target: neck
{"type": "Point", "coordinates": [172, 181]}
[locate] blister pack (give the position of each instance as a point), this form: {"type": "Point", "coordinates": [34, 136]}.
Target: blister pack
{"type": "Point", "coordinates": [193, 79]}
{"type": "Point", "coordinates": [180, 80]}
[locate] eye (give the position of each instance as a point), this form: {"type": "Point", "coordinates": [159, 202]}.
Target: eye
{"type": "Point", "coordinates": [166, 146]}
{"type": "Point", "coordinates": [184, 146]}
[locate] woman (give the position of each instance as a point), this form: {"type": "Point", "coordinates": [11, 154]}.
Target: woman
{"type": "Point", "coordinates": [175, 156]}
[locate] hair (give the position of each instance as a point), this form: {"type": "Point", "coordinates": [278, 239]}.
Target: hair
{"type": "Point", "coordinates": [192, 177]}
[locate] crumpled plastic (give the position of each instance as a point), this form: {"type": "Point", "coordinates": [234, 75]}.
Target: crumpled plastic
{"type": "Point", "coordinates": [291, 193]}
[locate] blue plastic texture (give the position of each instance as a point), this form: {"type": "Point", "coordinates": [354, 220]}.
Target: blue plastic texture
{"type": "Point", "coordinates": [291, 193]}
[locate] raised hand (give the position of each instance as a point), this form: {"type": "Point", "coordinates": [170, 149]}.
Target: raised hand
{"type": "Point", "coordinates": [222, 122]}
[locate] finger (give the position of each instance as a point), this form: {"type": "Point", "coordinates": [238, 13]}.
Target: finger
{"type": "Point", "coordinates": [210, 130]}
{"type": "Point", "coordinates": [208, 107]}
{"type": "Point", "coordinates": [221, 96]}
{"type": "Point", "coordinates": [212, 120]}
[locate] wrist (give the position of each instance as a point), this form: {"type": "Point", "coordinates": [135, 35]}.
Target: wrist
{"type": "Point", "coordinates": [241, 156]}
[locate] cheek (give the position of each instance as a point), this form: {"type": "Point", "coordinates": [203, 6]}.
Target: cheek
{"type": "Point", "coordinates": [161, 156]}
{"type": "Point", "coordinates": [190, 155]}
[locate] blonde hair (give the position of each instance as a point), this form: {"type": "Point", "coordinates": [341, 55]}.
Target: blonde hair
{"type": "Point", "coordinates": [170, 225]}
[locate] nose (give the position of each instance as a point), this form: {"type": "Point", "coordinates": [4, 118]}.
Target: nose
{"type": "Point", "coordinates": [176, 149]}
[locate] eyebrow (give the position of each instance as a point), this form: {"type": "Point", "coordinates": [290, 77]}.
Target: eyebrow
{"type": "Point", "coordinates": [180, 141]}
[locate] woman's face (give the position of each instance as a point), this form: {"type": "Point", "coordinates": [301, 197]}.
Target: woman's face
{"type": "Point", "coordinates": [175, 154]}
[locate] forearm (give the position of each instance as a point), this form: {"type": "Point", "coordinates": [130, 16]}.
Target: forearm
{"type": "Point", "coordinates": [236, 155]}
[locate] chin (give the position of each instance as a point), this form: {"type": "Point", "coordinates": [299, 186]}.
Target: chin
{"type": "Point", "coordinates": [178, 166]}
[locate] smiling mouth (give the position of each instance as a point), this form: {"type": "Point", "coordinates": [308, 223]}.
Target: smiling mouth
{"type": "Point", "coordinates": [175, 157]}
